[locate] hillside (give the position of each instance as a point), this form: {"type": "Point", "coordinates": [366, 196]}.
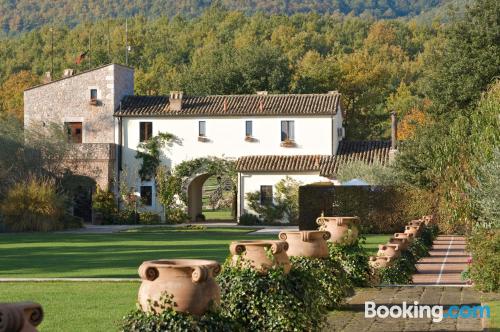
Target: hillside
{"type": "Point", "coordinates": [26, 15]}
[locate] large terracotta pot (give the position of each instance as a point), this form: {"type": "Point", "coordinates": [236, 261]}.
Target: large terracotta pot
{"type": "Point", "coordinates": [261, 254]}
{"type": "Point", "coordinates": [378, 262]}
{"type": "Point", "coordinates": [415, 230]}
{"type": "Point", "coordinates": [428, 220]}
{"type": "Point", "coordinates": [306, 243]}
{"type": "Point", "coordinates": [389, 250]}
{"type": "Point", "coordinates": [343, 230]}
{"type": "Point", "coordinates": [190, 281]}
{"type": "Point", "coordinates": [417, 222]}
{"type": "Point", "coordinates": [401, 241]}
{"type": "Point", "coordinates": [20, 317]}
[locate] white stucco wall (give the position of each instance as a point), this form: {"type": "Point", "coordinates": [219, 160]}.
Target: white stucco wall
{"type": "Point", "coordinates": [226, 138]}
{"type": "Point", "coordinates": [251, 182]}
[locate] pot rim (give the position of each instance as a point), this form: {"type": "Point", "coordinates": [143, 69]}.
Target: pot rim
{"type": "Point", "coordinates": [258, 242]}
{"type": "Point", "coordinates": [300, 232]}
{"type": "Point", "coordinates": [181, 263]}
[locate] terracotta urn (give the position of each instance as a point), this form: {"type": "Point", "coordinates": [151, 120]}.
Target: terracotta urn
{"type": "Point", "coordinates": [415, 230]}
{"type": "Point", "coordinates": [378, 262]}
{"type": "Point", "coordinates": [428, 220]}
{"type": "Point", "coordinates": [417, 222]}
{"type": "Point", "coordinates": [343, 230]}
{"type": "Point", "coordinates": [389, 250]}
{"type": "Point", "coordinates": [306, 243]}
{"type": "Point", "coordinates": [20, 317]}
{"type": "Point", "coordinates": [401, 241]}
{"type": "Point", "coordinates": [261, 254]}
{"type": "Point", "coordinates": [190, 281]}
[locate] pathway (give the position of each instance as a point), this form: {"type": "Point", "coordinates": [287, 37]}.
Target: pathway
{"type": "Point", "coordinates": [351, 318]}
{"type": "Point", "coordinates": [107, 229]}
{"type": "Point", "coordinates": [445, 263]}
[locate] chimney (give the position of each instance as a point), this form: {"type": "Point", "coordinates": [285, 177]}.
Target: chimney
{"type": "Point", "coordinates": [261, 93]}
{"type": "Point", "coordinates": [175, 100]}
{"type": "Point", "coordinates": [333, 92]}
{"type": "Point", "coordinates": [48, 77]}
{"type": "Point", "coordinates": [225, 104]}
{"type": "Point", "coordinates": [394, 131]}
{"type": "Point", "coordinates": [68, 72]}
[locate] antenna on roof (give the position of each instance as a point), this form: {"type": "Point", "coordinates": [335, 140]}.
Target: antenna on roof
{"type": "Point", "coordinates": [126, 41]}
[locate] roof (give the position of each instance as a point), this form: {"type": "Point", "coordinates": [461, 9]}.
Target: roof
{"type": "Point", "coordinates": [232, 105]}
{"type": "Point", "coordinates": [368, 152]}
{"type": "Point", "coordinates": [79, 73]}
{"type": "Point", "coordinates": [297, 163]}
{"type": "Point", "coordinates": [327, 165]}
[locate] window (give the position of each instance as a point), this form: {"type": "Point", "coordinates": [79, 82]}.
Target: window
{"type": "Point", "coordinates": [266, 195]}
{"type": "Point", "coordinates": [202, 128]}
{"type": "Point", "coordinates": [93, 94]}
{"type": "Point", "coordinates": [248, 128]}
{"type": "Point", "coordinates": [145, 131]}
{"type": "Point", "coordinates": [287, 131]}
{"type": "Point", "coordinates": [147, 195]}
{"type": "Point", "coordinates": [74, 131]}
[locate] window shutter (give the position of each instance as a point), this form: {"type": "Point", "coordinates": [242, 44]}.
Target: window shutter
{"type": "Point", "coordinates": [284, 131]}
{"type": "Point", "coordinates": [291, 130]}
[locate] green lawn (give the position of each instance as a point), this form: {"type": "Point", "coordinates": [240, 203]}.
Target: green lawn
{"type": "Point", "coordinates": [109, 255]}
{"type": "Point", "coordinates": [218, 215]}
{"type": "Point", "coordinates": [118, 254]}
{"type": "Point", "coordinates": [99, 306]}
{"type": "Point", "coordinates": [76, 306]}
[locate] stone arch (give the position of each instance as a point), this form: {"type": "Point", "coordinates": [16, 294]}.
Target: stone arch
{"type": "Point", "coordinates": [195, 193]}
{"type": "Point", "coordinates": [195, 172]}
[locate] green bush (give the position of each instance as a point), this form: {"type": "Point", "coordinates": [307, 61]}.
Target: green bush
{"type": "Point", "coordinates": [484, 246]}
{"type": "Point", "coordinates": [149, 218]}
{"type": "Point", "coordinates": [176, 216]}
{"type": "Point", "coordinates": [354, 262]}
{"type": "Point", "coordinates": [272, 302]}
{"type": "Point", "coordinates": [104, 203]}
{"type": "Point", "coordinates": [333, 283]}
{"type": "Point", "coordinates": [249, 219]}
{"type": "Point", "coordinates": [72, 222]}
{"type": "Point", "coordinates": [127, 217]}
{"type": "Point", "coordinates": [171, 320]}
{"type": "Point", "coordinates": [33, 205]}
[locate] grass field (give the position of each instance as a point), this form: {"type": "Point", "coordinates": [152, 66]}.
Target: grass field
{"type": "Point", "coordinates": [76, 306]}
{"type": "Point", "coordinates": [99, 306]}
{"type": "Point", "coordinates": [117, 254]}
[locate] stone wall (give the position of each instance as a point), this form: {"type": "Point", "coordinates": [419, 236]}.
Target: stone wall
{"type": "Point", "coordinates": [68, 100]}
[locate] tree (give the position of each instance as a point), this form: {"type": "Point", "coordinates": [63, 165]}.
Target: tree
{"type": "Point", "coordinates": [11, 93]}
{"type": "Point", "coordinates": [464, 60]}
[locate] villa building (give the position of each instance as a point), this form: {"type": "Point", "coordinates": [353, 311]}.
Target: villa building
{"type": "Point", "coordinates": [269, 136]}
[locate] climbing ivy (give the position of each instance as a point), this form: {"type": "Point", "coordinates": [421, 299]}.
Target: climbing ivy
{"type": "Point", "coordinates": [150, 151]}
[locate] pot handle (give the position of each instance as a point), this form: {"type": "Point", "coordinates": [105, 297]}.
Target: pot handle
{"type": "Point", "coordinates": [282, 236]}
{"type": "Point", "coordinates": [236, 249]}
{"type": "Point", "coordinates": [278, 247]}
{"type": "Point", "coordinates": [199, 274]}
{"type": "Point", "coordinates": [382, 247]}
{"type": "Point", "coordinates": [148, 272]}
{"type": "Point", "coordinates": [327, 235]}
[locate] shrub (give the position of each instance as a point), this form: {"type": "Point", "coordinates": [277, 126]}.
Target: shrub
{"type": "Point", "coordinates": [127, 217]}
{"type": "Point", "coordinates": [71, 222]}
{"type": "Point", "coordinates": [33, 205]}
{"type": "Point", "coordinates": [176, 216]}
{"type": "Point", "coordinates": [104, 203]}
{"type": "Point", "coordinates": [484, 246]}
{"type": "Point", "coordinates": [171, 320]}
{"type": "Point", "coordinates": [200, 217]}
{"type": "Point", "coordinates": [333, 284]}
{"type": "Point", "coordinates": [149, 218]}
{"type": "Point", "coordinates": [354, 261]}
{"type": "Point", "coordinates": [269, 213]}
{"type": "Point", "coordinates": [271, 302]}
{"type": "Point", "coordinates": [249, 219]}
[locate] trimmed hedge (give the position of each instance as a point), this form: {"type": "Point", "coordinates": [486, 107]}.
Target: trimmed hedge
{"type": "Point", "coordinates": [379, 208]}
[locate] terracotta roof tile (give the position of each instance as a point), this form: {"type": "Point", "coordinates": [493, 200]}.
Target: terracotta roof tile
{"type": "Point", "coordinates": [349, 151]}
{"type": "Point", "coordinates": [273, 163]}
{"type": "Point", "coordinates": [328, 166]}
{"type": "Point", "coordinates": [287, 104]}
